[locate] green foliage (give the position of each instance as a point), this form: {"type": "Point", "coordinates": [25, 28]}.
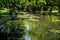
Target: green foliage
{"type": "Point", "coordinates": [44, 29]}
{"type": "Point", "coordinates": [11, 29]}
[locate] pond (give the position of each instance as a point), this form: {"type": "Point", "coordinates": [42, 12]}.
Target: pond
{"type": "Point", "coordinates": [31, 24]}
{"type": "Point", "coordinates": [41, 29]}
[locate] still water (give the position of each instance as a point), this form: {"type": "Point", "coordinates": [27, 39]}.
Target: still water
{"type": "Point", "coordinates": [27, 36]}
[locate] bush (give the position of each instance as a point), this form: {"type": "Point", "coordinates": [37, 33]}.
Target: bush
{"type": "Point", "coordinates": [11, 30]}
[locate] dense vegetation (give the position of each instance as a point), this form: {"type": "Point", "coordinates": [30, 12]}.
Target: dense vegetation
{"type": "Point", "coordinates": [12, 26]}
{"type": "Point", "coordinates": [30, 5]}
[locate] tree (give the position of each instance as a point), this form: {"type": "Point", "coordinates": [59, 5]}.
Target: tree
{"type": "Point", "coordinates": [11, 29]}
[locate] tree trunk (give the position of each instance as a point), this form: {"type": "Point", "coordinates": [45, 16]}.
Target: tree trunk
{"type": "Point", "coordinates": [59, 7]}
{"type": "Point", "coordinates": [59, 11]}
{"type": "Point", "coordinates": [50, 12]}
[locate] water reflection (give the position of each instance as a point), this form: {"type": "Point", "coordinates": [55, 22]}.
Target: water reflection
{"type": "Point", "coordinates": [27, 36]}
